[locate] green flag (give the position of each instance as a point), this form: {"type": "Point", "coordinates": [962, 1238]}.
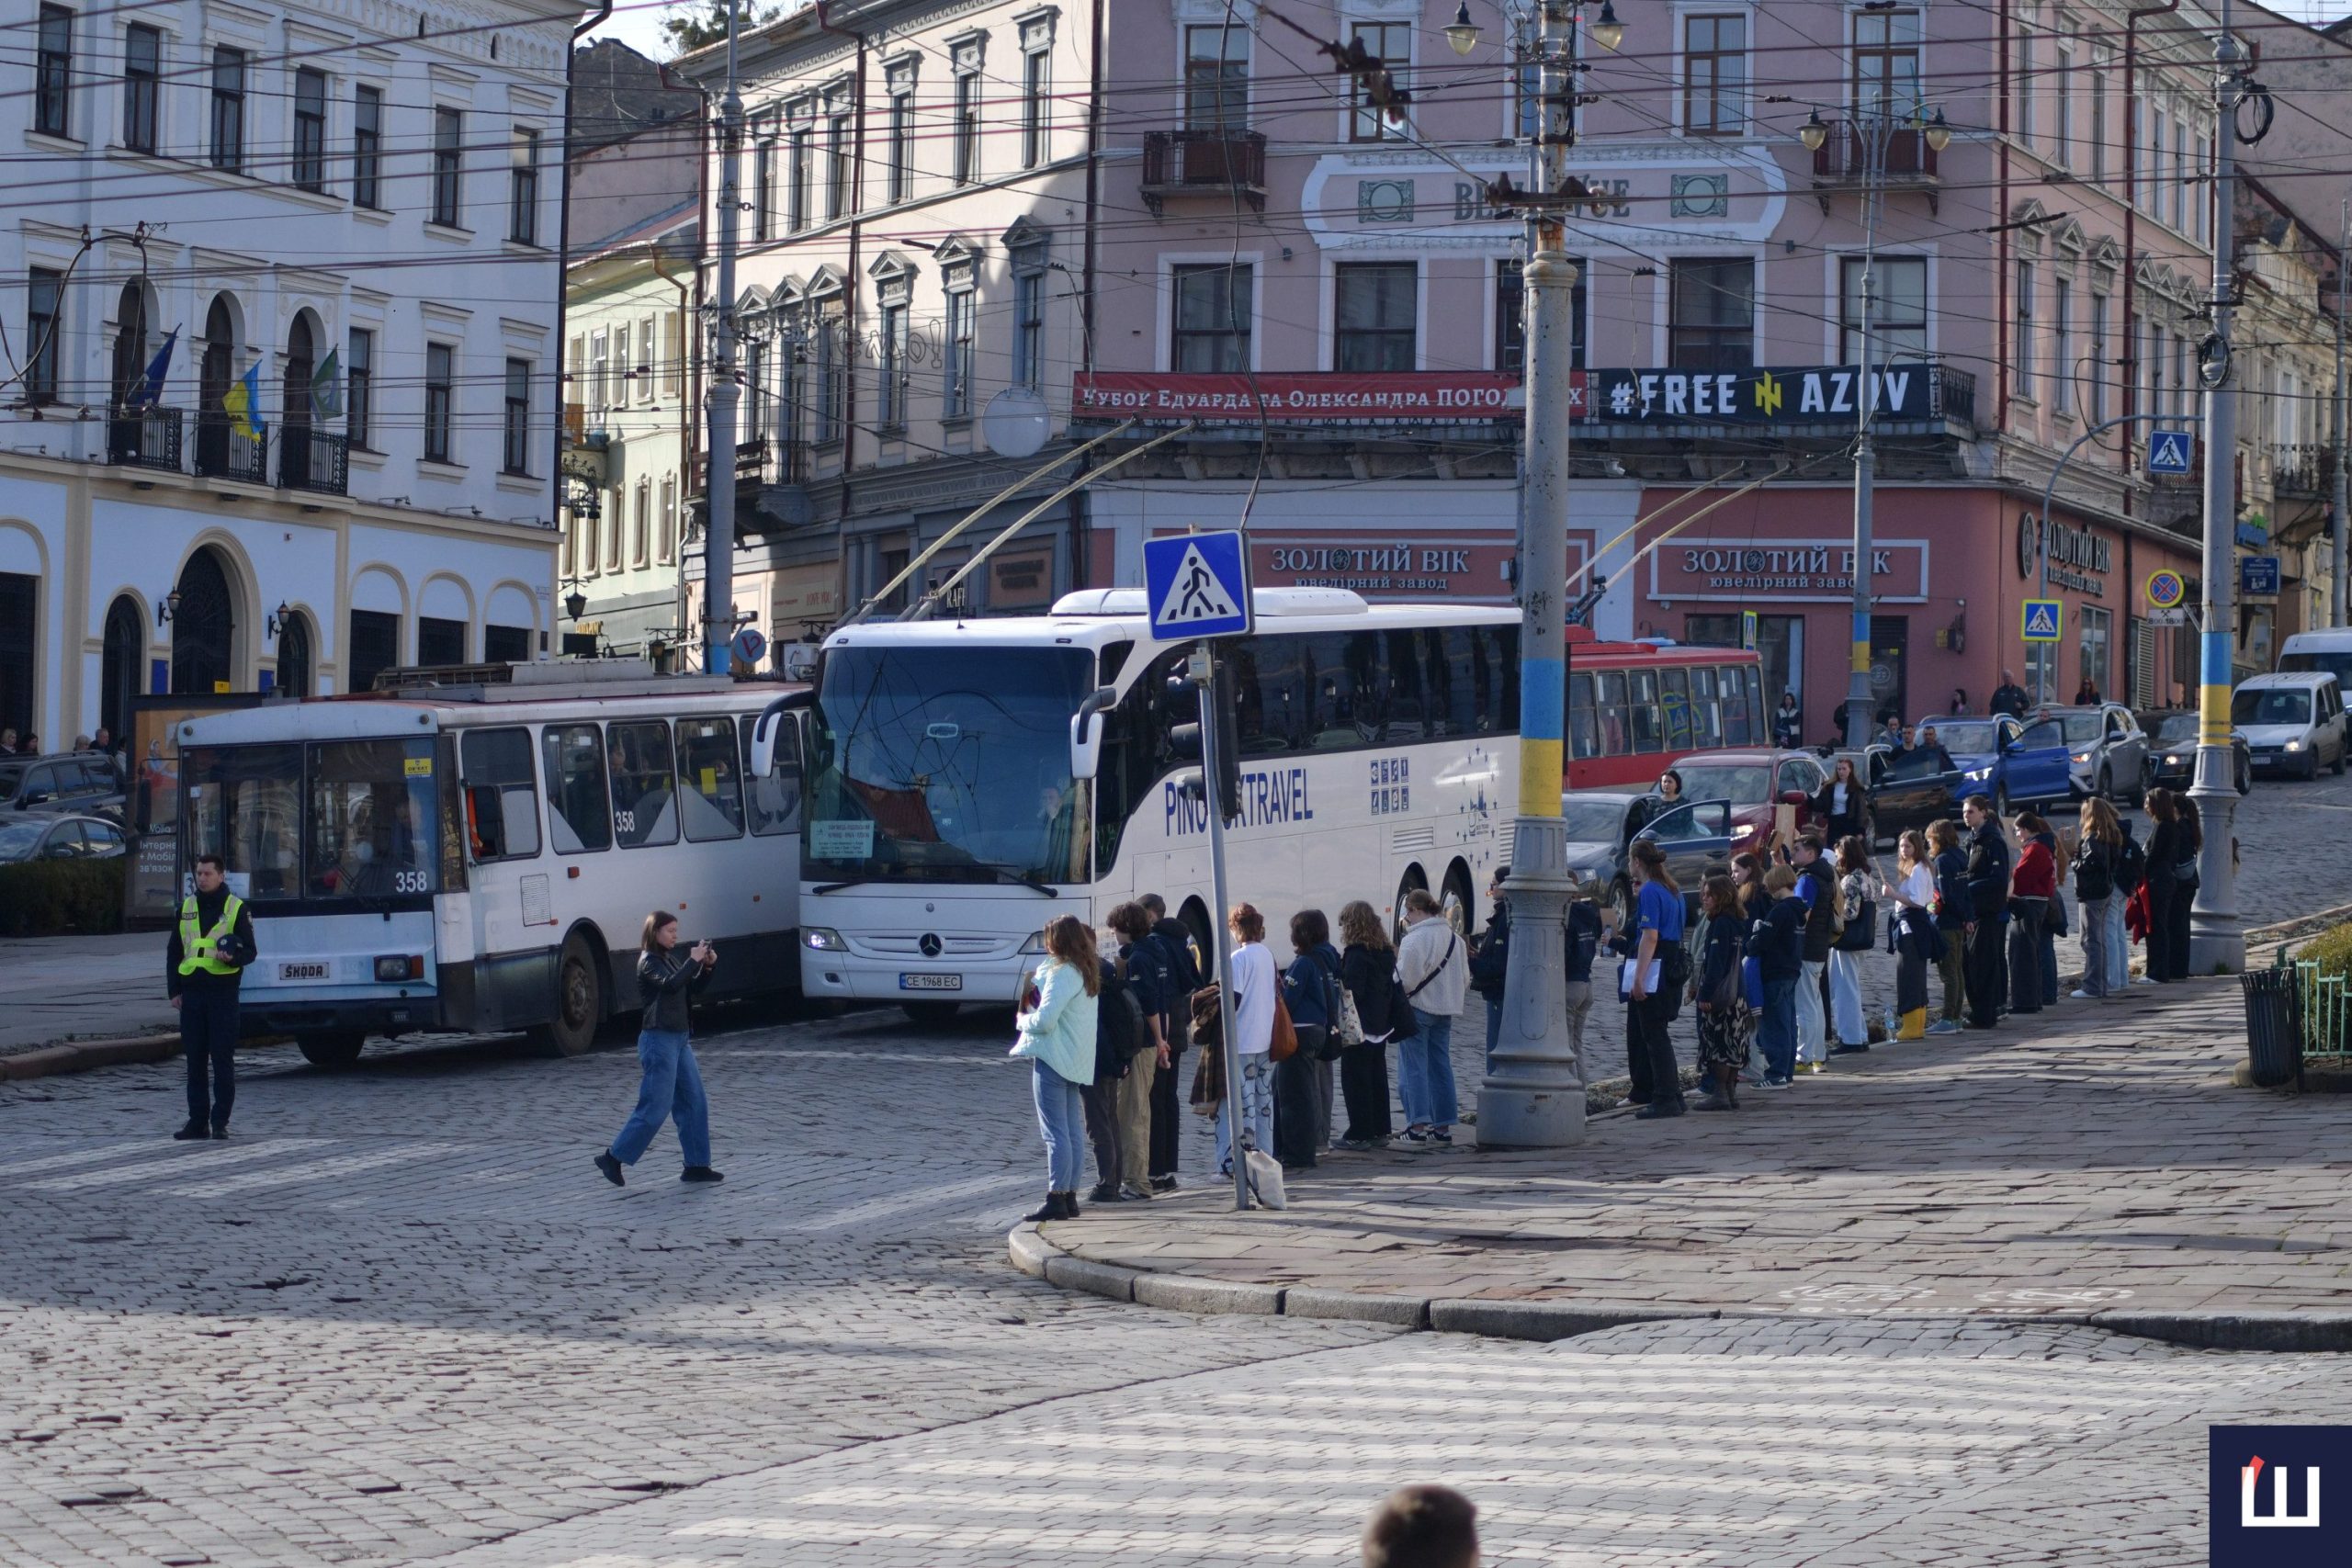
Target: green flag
{"type": "Point", "coordinates": [326, 386]}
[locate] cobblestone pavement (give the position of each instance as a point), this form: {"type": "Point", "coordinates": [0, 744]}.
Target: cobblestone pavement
{"type": "Point", "coordinates": [1754, 1443]}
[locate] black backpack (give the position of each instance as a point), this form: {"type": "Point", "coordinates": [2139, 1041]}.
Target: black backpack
{"type": "Point", "coordinates": [2130, 866]}
{"type": "Point", "coordinates": [1119, 1031]}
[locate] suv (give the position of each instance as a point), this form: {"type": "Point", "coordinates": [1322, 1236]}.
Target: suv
{"type": "Point", "coordinates": [2293, 721]}
{"type": "Point", "coordinates": [2015, 761]}
{"type": "Point", "coordinates": [1602, 826]}
{"type": "Point", "coordinates": [62, 781]}
{"type": "Point", "coordinates": [2172, 757]}
{"type": "Point", "coordinates": [2107, 751]}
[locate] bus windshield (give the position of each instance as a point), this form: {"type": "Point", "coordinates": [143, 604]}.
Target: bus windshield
{"type": "Point", "coordinates": [947, 765]}
{"type": "Point", "coordinates": [344, 819]}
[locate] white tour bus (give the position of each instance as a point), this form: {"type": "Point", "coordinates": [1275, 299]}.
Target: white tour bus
{"type": "Point", "coordinates": [968, 781]}
{"type": "Point", "coordinates": [482, 857]}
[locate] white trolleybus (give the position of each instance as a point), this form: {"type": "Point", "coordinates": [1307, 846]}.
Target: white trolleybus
{"type": "Point", "coordinates": [481, 857]}
{"type": "Point", "coordinates": [969, 781]}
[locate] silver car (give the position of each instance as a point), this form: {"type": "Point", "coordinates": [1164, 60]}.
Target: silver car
{"type": "Point", "coordinates": [1601, 828]}
{"type": "Point", "coordinates": [2107, 751]}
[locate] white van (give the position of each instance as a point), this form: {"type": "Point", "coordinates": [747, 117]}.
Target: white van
{"type": "Point", "coordinates": [2329, 650]}
{"type": "Point", "coordinates": [2293, 721]}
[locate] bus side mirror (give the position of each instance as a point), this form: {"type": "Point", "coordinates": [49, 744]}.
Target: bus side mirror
{"type": "Point", "coordinates": [1086, 733]}
{"type": "Point", "coordinates": [768, 728]}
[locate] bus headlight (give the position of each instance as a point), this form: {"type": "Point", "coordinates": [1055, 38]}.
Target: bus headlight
{"type": "Point", "coordinates": [400, 966]}
{"type": "Point", "coordinates": [823, 938]}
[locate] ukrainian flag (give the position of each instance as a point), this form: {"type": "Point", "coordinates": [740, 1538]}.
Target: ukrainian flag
{"type": "Point", "coordinates": [242, 405]}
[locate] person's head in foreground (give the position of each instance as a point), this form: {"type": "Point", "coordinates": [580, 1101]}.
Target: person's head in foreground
{"type": "Point", "coordinates": [1422, 1526]}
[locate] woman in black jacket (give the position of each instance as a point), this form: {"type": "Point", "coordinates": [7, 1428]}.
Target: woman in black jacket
{"type": "Point", "coordinates": [2184, 881]}
{"type": "Point", "coordinates": [2165, 839]}
{"type": "Point", "coordinates": [1841, 809]}
{"type": "Point", "coordinates": [1726, 1025]}
{"type": "Point", "coordinates": [671, 1086]}
{"type": "Point", "coordinates": [1368, 969]}
{"type": "Point", "coordinates": [1302, 1082]}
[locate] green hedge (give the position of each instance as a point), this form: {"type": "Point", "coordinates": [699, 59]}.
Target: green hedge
{"type": "Point", "coordinates": [2331, 950]}
{"type": "Point", "coordinates": [52, 898]}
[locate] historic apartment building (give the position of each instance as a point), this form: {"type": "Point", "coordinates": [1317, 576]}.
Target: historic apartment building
{"type": "Point", "coordinates": [283, 298]}
{"type": "Point", "coordinates": [1177, 213]}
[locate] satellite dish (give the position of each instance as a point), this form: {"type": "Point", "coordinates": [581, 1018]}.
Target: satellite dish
{"type": "Point", "coordinates": [1015, 422]}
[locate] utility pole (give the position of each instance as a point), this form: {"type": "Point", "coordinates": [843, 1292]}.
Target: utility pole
{"type": "Point", "coordinates": [2216, 940]}
{"type": "Point", "coordinates": [2343, 418]}
{"type": "Point", "coordinates": [1533, 1095]}
{"type": "Point", "coordinates": [1874, 133]}
{"type": "Point", "coordinates": [719, 482]}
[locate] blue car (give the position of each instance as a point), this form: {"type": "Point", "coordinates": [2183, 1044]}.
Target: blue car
{"type": "Point", "coordinates": [2017, 763]}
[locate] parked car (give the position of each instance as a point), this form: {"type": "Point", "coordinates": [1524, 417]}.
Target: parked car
{"type": "Point", "coordinates": [1756, 784]}
{"type": "Point", "coordinates": [62, 781]}
{"type": "Point", "coordinates": [40, 836]}
{"type": "Point", "coordinates": [1911, 789]}
{"type": "Point", "coordinates": [2293, 721]}
{"type": "Point", "coordinates": [2172, 757]}
{"type": "Point", "coordinates": [1603, 824]}
{"type": "Point", "coordinates": [2016, 762]}
{"type": "Point", "coordinates": [2107, 751]}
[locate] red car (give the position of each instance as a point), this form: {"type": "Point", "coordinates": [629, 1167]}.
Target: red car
{"type": "Point", "coordinates": [1757, 783]}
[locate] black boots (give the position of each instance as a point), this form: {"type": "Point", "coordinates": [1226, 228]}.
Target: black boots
{"type": "Point", "coordinates": [611, 1167]}
{"type": "Point", "coordinates": [699, 1173]}
{"type": "Point", "coordinates": [1056, 1206]}
{"type": "Point", "coordinates": [194, 1129]}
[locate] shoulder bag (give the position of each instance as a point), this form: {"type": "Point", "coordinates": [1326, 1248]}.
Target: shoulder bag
{"type": "Point", "coordinates": [1285, 1041]}
{"type": "Point", "coordinates": [1450, 940]}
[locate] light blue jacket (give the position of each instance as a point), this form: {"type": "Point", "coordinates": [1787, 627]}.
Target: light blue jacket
{"type": "Point", "coordinates": [1061, 1032]}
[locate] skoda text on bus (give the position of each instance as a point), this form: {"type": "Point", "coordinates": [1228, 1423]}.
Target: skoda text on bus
{"type": "Point", "coordinates": [483, 858]}
{"type": "Point", "coordinates": [1633, 707]}
{"type": "Point", "coordinates": [958, 798]}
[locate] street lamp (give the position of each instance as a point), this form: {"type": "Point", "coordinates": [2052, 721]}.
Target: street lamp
{"type": "Point", "coordinates": [575, 604]}
{"type": "Point", "coordinates": [1607, 30]}
{"type": "Point", "coordinates": [1938, 133]}
{"type": "Point", "coordinates": [1813, 131]}
{"type": "Point", "coordinates": [1462, 32]}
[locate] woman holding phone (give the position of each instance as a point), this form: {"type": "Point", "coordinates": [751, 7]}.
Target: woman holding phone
{"type": "Point", "coordinates": [670, 1086]}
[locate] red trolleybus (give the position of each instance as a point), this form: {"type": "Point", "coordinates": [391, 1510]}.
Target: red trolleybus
{"type": "Point", "coordinates": [1633, 707]}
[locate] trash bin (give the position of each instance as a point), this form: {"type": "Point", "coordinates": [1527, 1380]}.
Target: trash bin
{"type": "Point", "coordinates": [2274, 1026]}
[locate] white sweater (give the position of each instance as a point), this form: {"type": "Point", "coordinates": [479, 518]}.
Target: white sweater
{"type": "Point", "coordinates": [1422, 953]}
{"type": "Point", "coordinates": [1254, 999]}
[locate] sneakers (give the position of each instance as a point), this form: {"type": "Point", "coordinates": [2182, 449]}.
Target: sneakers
{"type": "Point", "coordinates": [1943, 1026]}
{"type": "Point", "coordinates": [1842, 1049]}
{"type": "Point", "coordinates": [1773, 1080]}
{"type": "Point", "coordinates": [1163, 1184]}
{"type": "Point", "coordinates": [192, 1132]}
{"type": "Point", "coordinates": [1103, 1192]}
{"type": "Point", "coordinates": [611, 1167]}
{"type": "Point", "coordinates": [221, 1132]}
{"type": "Point", "coordinates": [1133, 1193]}
{"type": "Point", "coordinates": [1441, 1134]}
{"type": "Point", "coordinates": [2084, 995]}
{"type": "Point", "coordinates": [1660, 1110]}
{"type": "Point", "coordinates": [699, 1173]}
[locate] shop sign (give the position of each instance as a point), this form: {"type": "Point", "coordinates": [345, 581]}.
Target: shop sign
{"type": "Point", "coordinates": [1774, 396]}
{"type": "Point", "coordinates": [1470, 569]}
{"type": "Point", "coordinates": [1419, 396]}
{"type": "Point", "coordinates": [2079, 557]}
{"type": "Point", "coordinates": [1797, 568]}
{"type": "Point", "coordinates": [1020, 582]}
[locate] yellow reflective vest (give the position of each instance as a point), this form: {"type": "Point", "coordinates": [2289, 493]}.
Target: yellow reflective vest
{"type": "Point", "coordinates": [200, 950]}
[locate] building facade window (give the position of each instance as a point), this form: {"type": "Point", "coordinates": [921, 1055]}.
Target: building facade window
{"type": "Point", "coordinates": [1034, 68]}
{"type": "Point", "coordinates": [143, 70]}
{"type": "Point", "coordinates": [956, 397]}
{"type": "Point", "coordinates": [1391, 43]}
{"type": "Point", "coordinates": [763, 190]}
{"type": "Point", "coordinates": [1217, 78]}
{"type": "Point", "coordinates": [666, 541]}
{"type": "Point", "coordinates": [439, 394]}
{"type": "Point", "coordinates": [517, 424]}
{"type": "Point", "coordinates": [2062, 102]}
{"type": "Point", "coordinates": [900, 179]}
{"type": "Point", "coordinates": [2098, 367]}
{"type": "Point", "coordinates": [640, 533]}
{"type": "Point", "coordinates": [1899, 321]}
{"type": "Point", "coordinates": [1028, 327]}
{"type": "Point", "coordinates": [2021, 350]}
{"type": "Point", "coordinates": [310, 128]}
{"type": "Point", "coordinates": [837, 166]}
{"type": "Point", "coordinates": [890, 394]}
{"type": "Point", "coordinates": [367, 147]}
{"type": "Point", "coordinates": [1886, 64]}
{"type": "Point", "coordinates": [1510, 316]}
{"type": "Point", "coordinates": [1710, 313]}
{"type": "Point", "coordinates": [44, 300]}
{"type": "Point", "coordinates": [1715, 75]}
{"type": "Point", "coordinates": [2062, 346]}
{"type": "Point", "coordinates": [755, 391]}
{"type": "Point", "coordinates": [796, 175]}
{"type": "Point", "coordinates": [1376, 307]}
{"type": "Point", "coordinates": [228, 149]}
{"type": "Point", "coordinates": [2029, 85]}
{"type": "Point", "coordinates": [448, 152]}
{"type": "Point", "coordinates": [2095, 150]}
{"type": "Point", "coordinates": [53, 72]}
{"type": "Point", "coordinates": [1209, 329]}
{"type": "Point", "coordinates": [966, 128]}
{"type": "Point", "coordinates": [523, 190]}
{"type": "Point", "coordinates": [2098, 636]}
{"type": "Point", "coordinates": [359, 394]}
{"type": "Point", "coordinates": [832, 371]}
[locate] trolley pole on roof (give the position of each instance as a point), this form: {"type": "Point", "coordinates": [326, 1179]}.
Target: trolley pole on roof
{"type": "Point", "coordinates": [1533, 1095]}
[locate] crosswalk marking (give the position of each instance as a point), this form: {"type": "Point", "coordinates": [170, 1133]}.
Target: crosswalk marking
{"type": "Point", "coordinates": [311, 1170]}
{"type": "Point", "coordinates": [928, 1197]}
{"type": "Point", "coordinates": [74, 1157]}
{"type": "Point", "coordinates": [145, 1168]}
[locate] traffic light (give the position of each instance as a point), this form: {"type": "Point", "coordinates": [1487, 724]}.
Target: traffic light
{"type": "Point", "coordinates": [1186, 692]}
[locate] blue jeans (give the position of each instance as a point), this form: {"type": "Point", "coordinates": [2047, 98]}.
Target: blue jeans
{"type": "Point", "coordinates": [1776, 1029]}
{"type": "Point", "coordinates": [671, 1089]}
{"type": "Point", "coordinates": [2119, 944]}
{"type": "Point", "coordinates": [1257, 1097]}
{"type": "Point", "coordinates": [1062, 1119]}
{"type": "Point", "coordinates": [2092, 912]}
{"type": "Point", "coordinates": [1425, 1072]}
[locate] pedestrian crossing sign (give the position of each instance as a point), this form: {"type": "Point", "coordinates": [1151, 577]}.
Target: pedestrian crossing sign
{"type": "Point", "coordinates": [1197, 585]}
{"type": "Point", "coordinates": [2168, 452]}
{"type": "Point", "coordinates": [2042, 618]}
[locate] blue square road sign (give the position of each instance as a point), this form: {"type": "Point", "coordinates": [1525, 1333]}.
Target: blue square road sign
{"type": "Point", "coordinates": [2169, 452]}
{"type": "Point", "coordinates": [1197, 585]}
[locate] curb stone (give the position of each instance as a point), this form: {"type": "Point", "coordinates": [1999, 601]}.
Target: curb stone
{"type": "Point", "coordinates": [1544, 1321]}
{"type": "Point", "coordinates": [81, 1056]}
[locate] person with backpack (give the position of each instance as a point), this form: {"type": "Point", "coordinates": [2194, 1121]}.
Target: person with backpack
{"type": "Point", "coordinates": [1857, 935]}
{"type": "Point", "coordinates": [1302, 1082]}
{"type": "Point", "coordinates": [1776, 942]}
{"type": "Point", "coordinates": [1368, 971]}
{"type": "Point", "coordinates": [1720, 993]}
{"type": "Point", "coordinates": [2034, 827]}
{"type": "Point", "coordinates": [1435, 968]}
{"type": "Point", "coordinates": [2095, 847]}
{"type": "Point", "coordinates": [2030, 889]}
{"type": "Point", "coordinates": [1119, 1038]}
{"type": "Point", "coordinates": [1659, 968]}
{"type": "Point", "coordinates": [1491, 961]}
{"type": "Point", "coordinates": [1588, 929]}
{"type": "Point", "coordinates": [1817, 891]}
{"type": "Point", "coordinates": [1987, 880]}
{"type": "Point", "coordinates": [1181, 958]}
{"type": "Point", "coordinates": [1950, 863]}
{"type": "Point", "coordinates": [1143, 965]}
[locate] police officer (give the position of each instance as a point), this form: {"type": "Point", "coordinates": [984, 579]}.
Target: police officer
{"type": "Point", "coordinates": [211, 946]}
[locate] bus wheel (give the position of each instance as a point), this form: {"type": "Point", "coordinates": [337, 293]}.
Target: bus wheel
{"type": "Point", "coordinates": [931, 1015]}
{"type": "Point", "coordinates": [1412, 881]}
{"type": "Point", "coordinates": [335, 1048]}
{"type": "Point", "coordinates": [1455, 903]}
{"type": "Point", "coordinates": [578, 999]}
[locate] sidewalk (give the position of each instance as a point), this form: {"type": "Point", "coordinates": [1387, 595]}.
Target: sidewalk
{"type": "Point", "coordinates": [2090, 1162]}
{"type": "Point", "coordinates": [81, 987]}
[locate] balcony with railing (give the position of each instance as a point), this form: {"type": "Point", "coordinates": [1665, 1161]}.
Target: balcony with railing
{"type": "Point", "coordinates": [145, 438]}
{"type": "Point", "coordinates": [318, 461]}
{"type": "Point", "coordinates": [224, 452]}
{"type": "Point", "coordinates": [1222, 164]}
{"type": "Point", "coordinates": [1842, 161]}
{"type": "Point", "coordinates": [2303, 473]}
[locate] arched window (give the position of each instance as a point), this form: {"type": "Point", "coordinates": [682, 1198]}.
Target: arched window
{"type": "Point", "coordinates": [215, 371]}
{"type": "Point", "coordinates": [301, 362]}
{"type": "Point", "coordinates": [294, 667]}
{"type": "Point", "coordinates": [119, 671]}
{"type": "Point", "coordinates": [130, 348]}
{"type": "Point", "coordinates": [204, 628]}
